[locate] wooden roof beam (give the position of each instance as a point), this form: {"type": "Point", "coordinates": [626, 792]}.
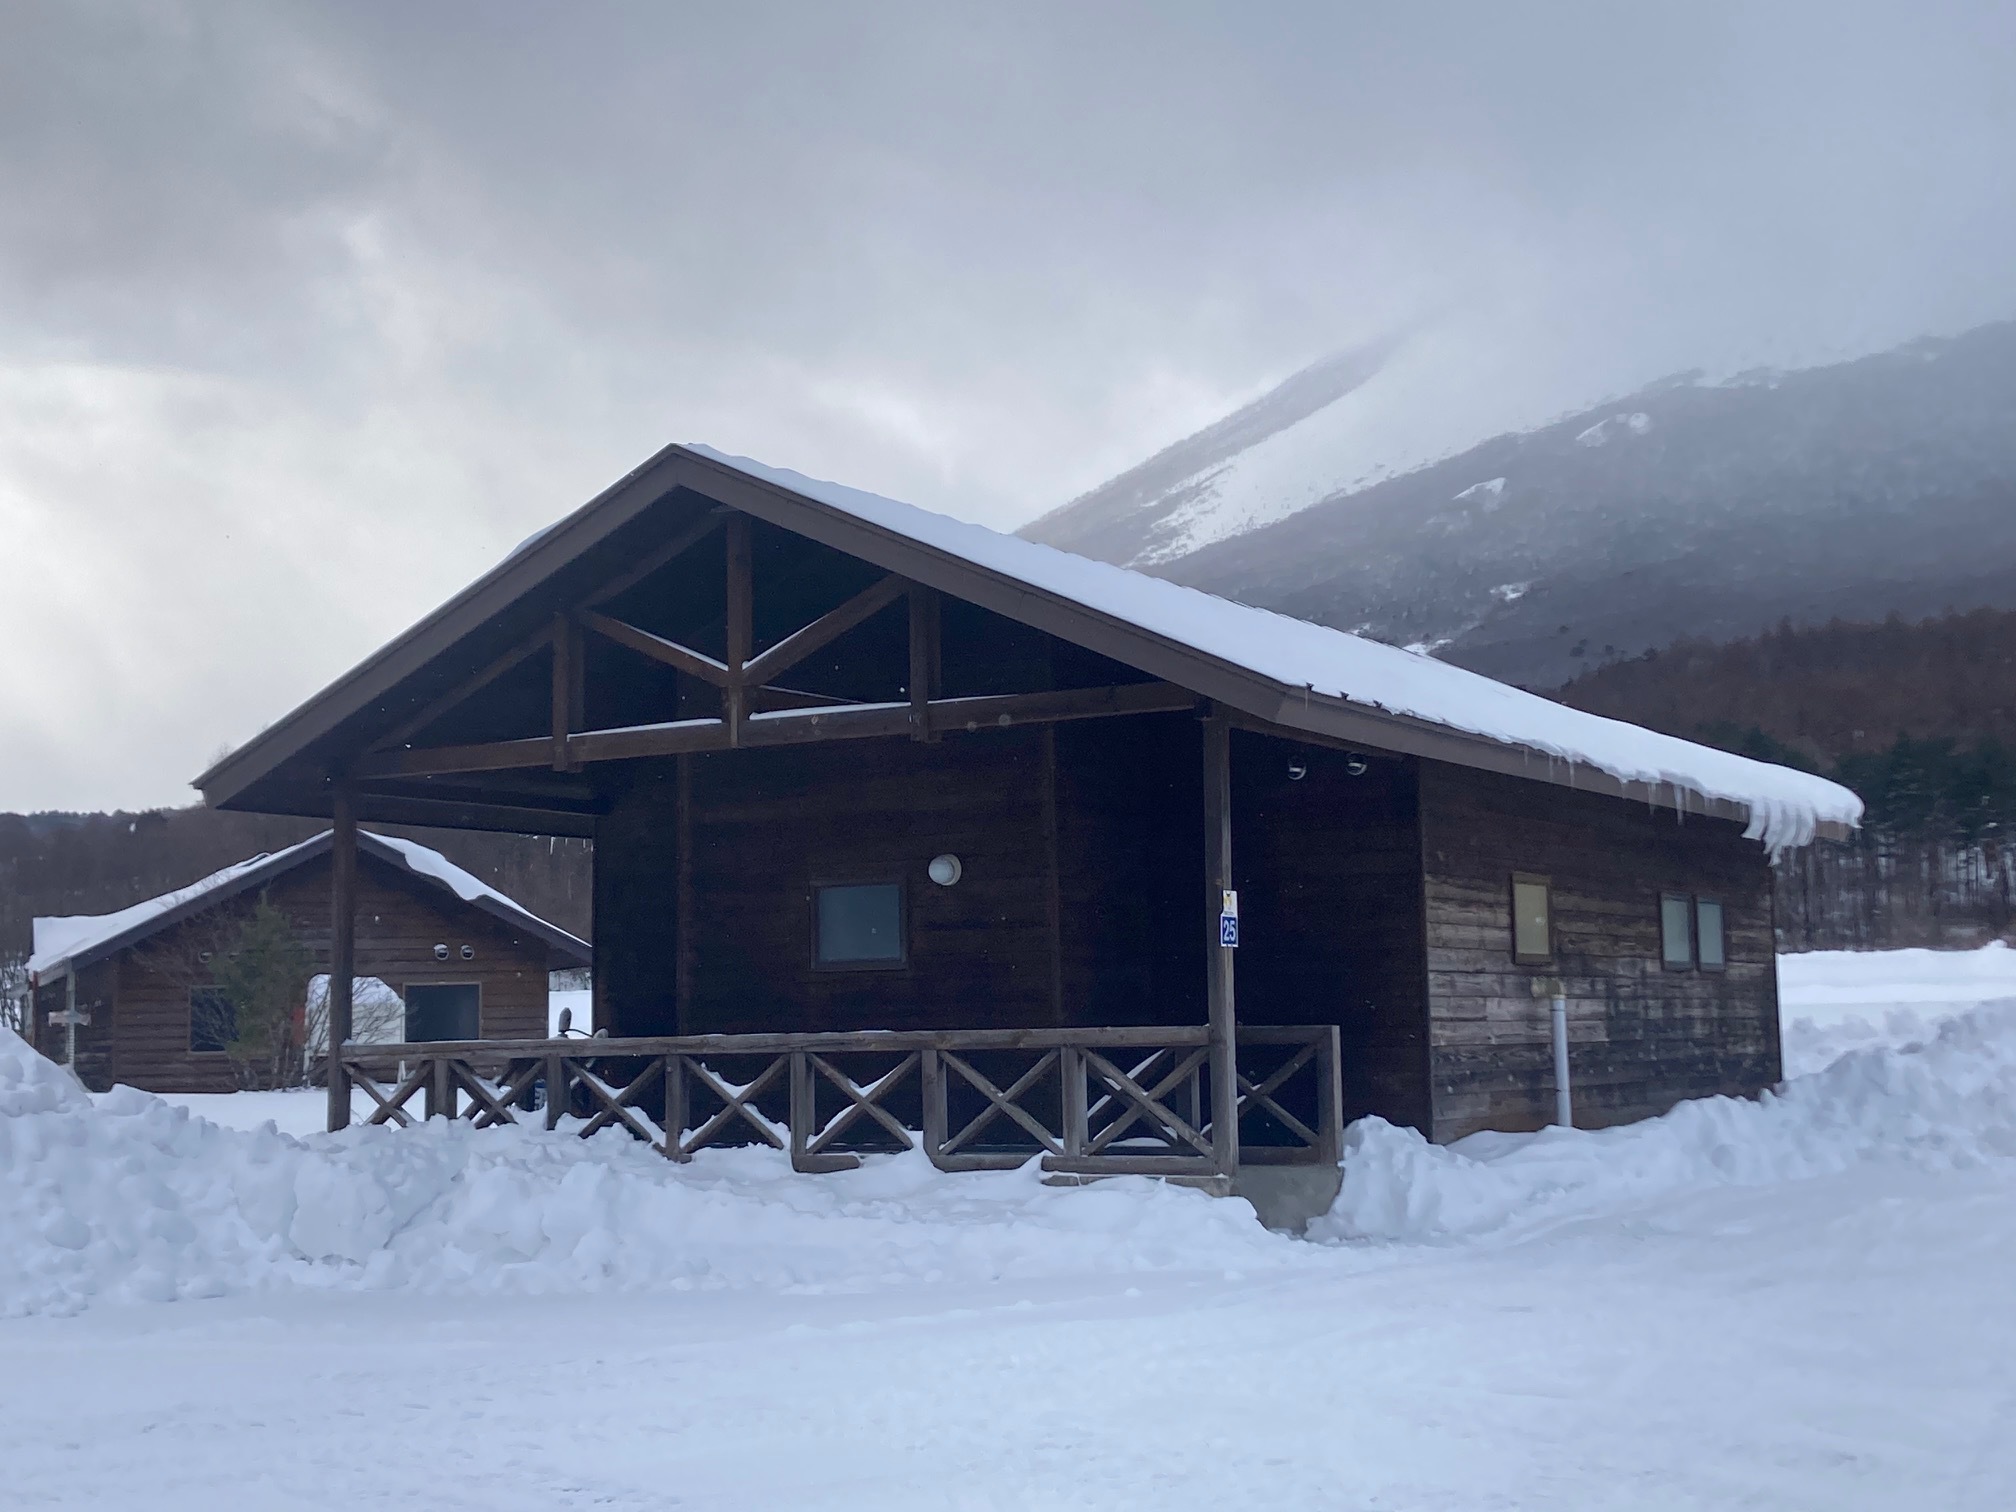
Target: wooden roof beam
{"type": "Point", "coordinates": [792, 727]}
{"type": "Point", "coordinates": [826, 629]}
{"type": "Point", "coordinates": [658, 648]}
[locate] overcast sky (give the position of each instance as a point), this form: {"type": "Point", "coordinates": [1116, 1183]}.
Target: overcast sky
{"type": "Point", "coordinates": [308, 313]}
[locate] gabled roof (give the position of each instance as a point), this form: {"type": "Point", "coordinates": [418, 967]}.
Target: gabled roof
{"type": "Point", "coordinates": [1283, 671]}
{"type": "Point", "coordinates": [64, 944]}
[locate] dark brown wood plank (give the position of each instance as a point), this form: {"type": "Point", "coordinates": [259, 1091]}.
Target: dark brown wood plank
{"type": "Point", "coordinates": [822, 632]}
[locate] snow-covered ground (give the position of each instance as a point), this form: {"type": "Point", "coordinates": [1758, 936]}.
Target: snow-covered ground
{"type": "Point", "coordinates": [1798, 1303]}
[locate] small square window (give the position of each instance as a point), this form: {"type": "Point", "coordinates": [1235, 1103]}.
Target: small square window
{"type": "Point", "coordinates": [1708, 934]}
{"type": "Point", "coordinates": [1532, 920]}
{"type": "Point", "coordinates": [1676, 932]}
{"type": "Point", "coordinates": [443, 1011]}
{"type": "Point", "coordinates": [858, 924]}
{"type": "Point", "coordinates": [213, 1021]}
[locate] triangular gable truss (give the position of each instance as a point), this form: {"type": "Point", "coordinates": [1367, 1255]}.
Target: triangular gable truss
{"type": "Point", "coordinates": [755, 708]}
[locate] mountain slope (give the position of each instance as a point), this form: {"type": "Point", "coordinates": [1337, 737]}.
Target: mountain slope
{"type": "Point", "coordinates": [1885, 485]}
{"type": "Point", "coordinates": [1139, 516]}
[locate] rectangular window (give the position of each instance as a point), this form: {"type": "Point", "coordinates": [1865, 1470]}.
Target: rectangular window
{"type": "Point", "coordinates": [1532, 919]}
{"type": "Point", "coordinates": [213, 1021]}
{"type": "Point", "coordinates": [443, 1011]}
{"type": "Point", "coordinates": [1708, 934]}
{"type": "Point", "coordinates": [1676, 931]}
{"type": "Point", "coordinates": [858, 924]}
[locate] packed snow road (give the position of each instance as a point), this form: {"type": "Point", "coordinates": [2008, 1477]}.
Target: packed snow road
{"type": "Point", "coordinates": [1803, 1303]}
{"type": "Point", "coordinates": [1847, 1344]}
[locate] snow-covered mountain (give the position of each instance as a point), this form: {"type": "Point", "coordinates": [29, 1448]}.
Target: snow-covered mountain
{"type": "Point", "coordinates": [1879, 486]}
{"type": "Point", "coordinates": [1180, 498]}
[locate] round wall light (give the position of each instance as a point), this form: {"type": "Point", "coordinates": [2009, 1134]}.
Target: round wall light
{"type": "Point", "coordinates": [440, 952]}
{"type": "Point", "coordinates": [1297, 770]}
{"type": "Point", "coordinates": [945, 870]}
{"type": "Point", "coordinates": [1357, 765]}
{"type": "Point", "coordinates": [468, 952]}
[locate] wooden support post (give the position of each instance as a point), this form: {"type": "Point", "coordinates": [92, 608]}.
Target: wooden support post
{"type": "Point", "coordinates": [342, 943]}
{"type": "Point", "coordinates": [924, 660]}
{"type": "Point", "coordinates": [1224, 1020]}
{"type": "Point", "coordinates": [683, 1015]}
{"type": "Point", "coordinates": [557, 1090]}
{"type": "Point", "coordinates": [932, 1081]}
{"type": "Point", "coordinates": [70, 1016]}
{"type": "Point", "coordinates": [441, 1089]}
{"type": "Point", "coordinates": [1071, 1069]}
{"type": "Point", "coordinates": [567, 691]}
{"type": "Point", "coordinates": [802, 1113]}
{"type": "Point", "coordinates": [678, 1107]}
{"type": "Point", "coordinates": [741, 629]}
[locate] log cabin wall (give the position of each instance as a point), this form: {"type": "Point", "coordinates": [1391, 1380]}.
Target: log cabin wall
{"type": "Point", "coordinates": [1328, 867]}
{"type": "Point", "coordinates": [400, 919]}
{"type": "Point", "coordinates": [1642, 1037]}
{"type": "Point", "coordinates": [1130, 868]}
{"type": "Point", "coordinates": [765, 828]}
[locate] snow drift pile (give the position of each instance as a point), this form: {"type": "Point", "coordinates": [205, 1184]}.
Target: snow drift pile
{"type": "Point", "coordinates": [125, 1198]}
{"type": "Point", "coordinates": [1834, 1001]}
{"type": "Point", "coordinates": [1948, 1101]}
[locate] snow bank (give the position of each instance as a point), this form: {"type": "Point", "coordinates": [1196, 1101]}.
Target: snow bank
{"type": "Point", "coordinates": [1785, 806]}
{"type": "Point", "coordinates": [124, 1198]}
{"type": "Point", "coordinates": [1948, 1102]}
{"type": "Point", "coordinates": [1834, 1001]}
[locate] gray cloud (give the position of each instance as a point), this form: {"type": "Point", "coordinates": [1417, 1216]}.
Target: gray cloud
{"type": "Point", "coordinates": [308, 312]}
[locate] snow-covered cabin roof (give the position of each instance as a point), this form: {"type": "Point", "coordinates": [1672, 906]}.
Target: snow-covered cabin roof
{"type": "Point", "coordinates": [1786, 806]}
{"type": "Point", "coordinates": [62, 944]}
{"type": "Point", "coordinates": [1288, 672]}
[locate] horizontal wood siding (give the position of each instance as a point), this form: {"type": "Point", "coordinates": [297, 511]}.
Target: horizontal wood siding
{"type": "Point", "coordinates": [1328, 867]}
{"type": "Point", "coordinates": [1642, 1038]}
{"type": "Point", "coordinates": [769, 825]}
{"type": "Point", "coordinates": [1130, 871]}
{"type": "Point", "coordinates": [400, 919]}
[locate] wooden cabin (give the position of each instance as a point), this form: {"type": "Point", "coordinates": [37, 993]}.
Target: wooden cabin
{"type": "Point", "coordinates": [125, 997]}
{"type": "Point", "coordinates": [1067, 858]}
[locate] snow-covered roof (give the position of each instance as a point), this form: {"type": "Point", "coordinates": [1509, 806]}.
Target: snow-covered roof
{"type": "Point", "coordinates": [1786, 807]}
{"type": "Point", "coordinates": [84, 938]}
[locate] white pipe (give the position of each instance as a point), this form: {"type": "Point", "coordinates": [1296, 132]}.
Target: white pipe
{"type": "Point", "coordinates": [70, 1017]}
{"type": "Point", "coordinates": [1564, 1097]}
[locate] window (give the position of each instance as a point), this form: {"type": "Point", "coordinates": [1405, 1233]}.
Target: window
{"type": "Point", "coordinates": [213, 1021]}
{"type": "Point", "coordinates": [858, 924]}
{"type": "Point", "coordinates": [1708, 934]}
{"type": "Point", "coordinates": [1676, 932]}
{"type": "Point", "coordinates": [1532, 919]}
{"type": "Point", "coordinates": [443, 1011]}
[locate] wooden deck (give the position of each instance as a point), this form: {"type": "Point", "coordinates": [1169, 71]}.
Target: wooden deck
{"type": "Point", "coordinates": [1087, 1102]}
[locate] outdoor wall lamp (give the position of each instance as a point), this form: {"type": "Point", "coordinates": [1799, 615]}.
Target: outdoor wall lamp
{"type": "Point", "coordinates": [945, 870]}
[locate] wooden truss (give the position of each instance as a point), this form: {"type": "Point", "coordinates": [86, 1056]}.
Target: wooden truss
{"type": "Point", "coordinates": [755, 709]}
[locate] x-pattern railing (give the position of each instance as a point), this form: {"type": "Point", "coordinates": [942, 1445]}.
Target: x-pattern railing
{"type": "Point", "coordinates": [1086, 1101]}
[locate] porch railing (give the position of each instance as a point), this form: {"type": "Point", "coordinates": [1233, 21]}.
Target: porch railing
{"type": "Point", "coordinates": [1092, 1102]}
